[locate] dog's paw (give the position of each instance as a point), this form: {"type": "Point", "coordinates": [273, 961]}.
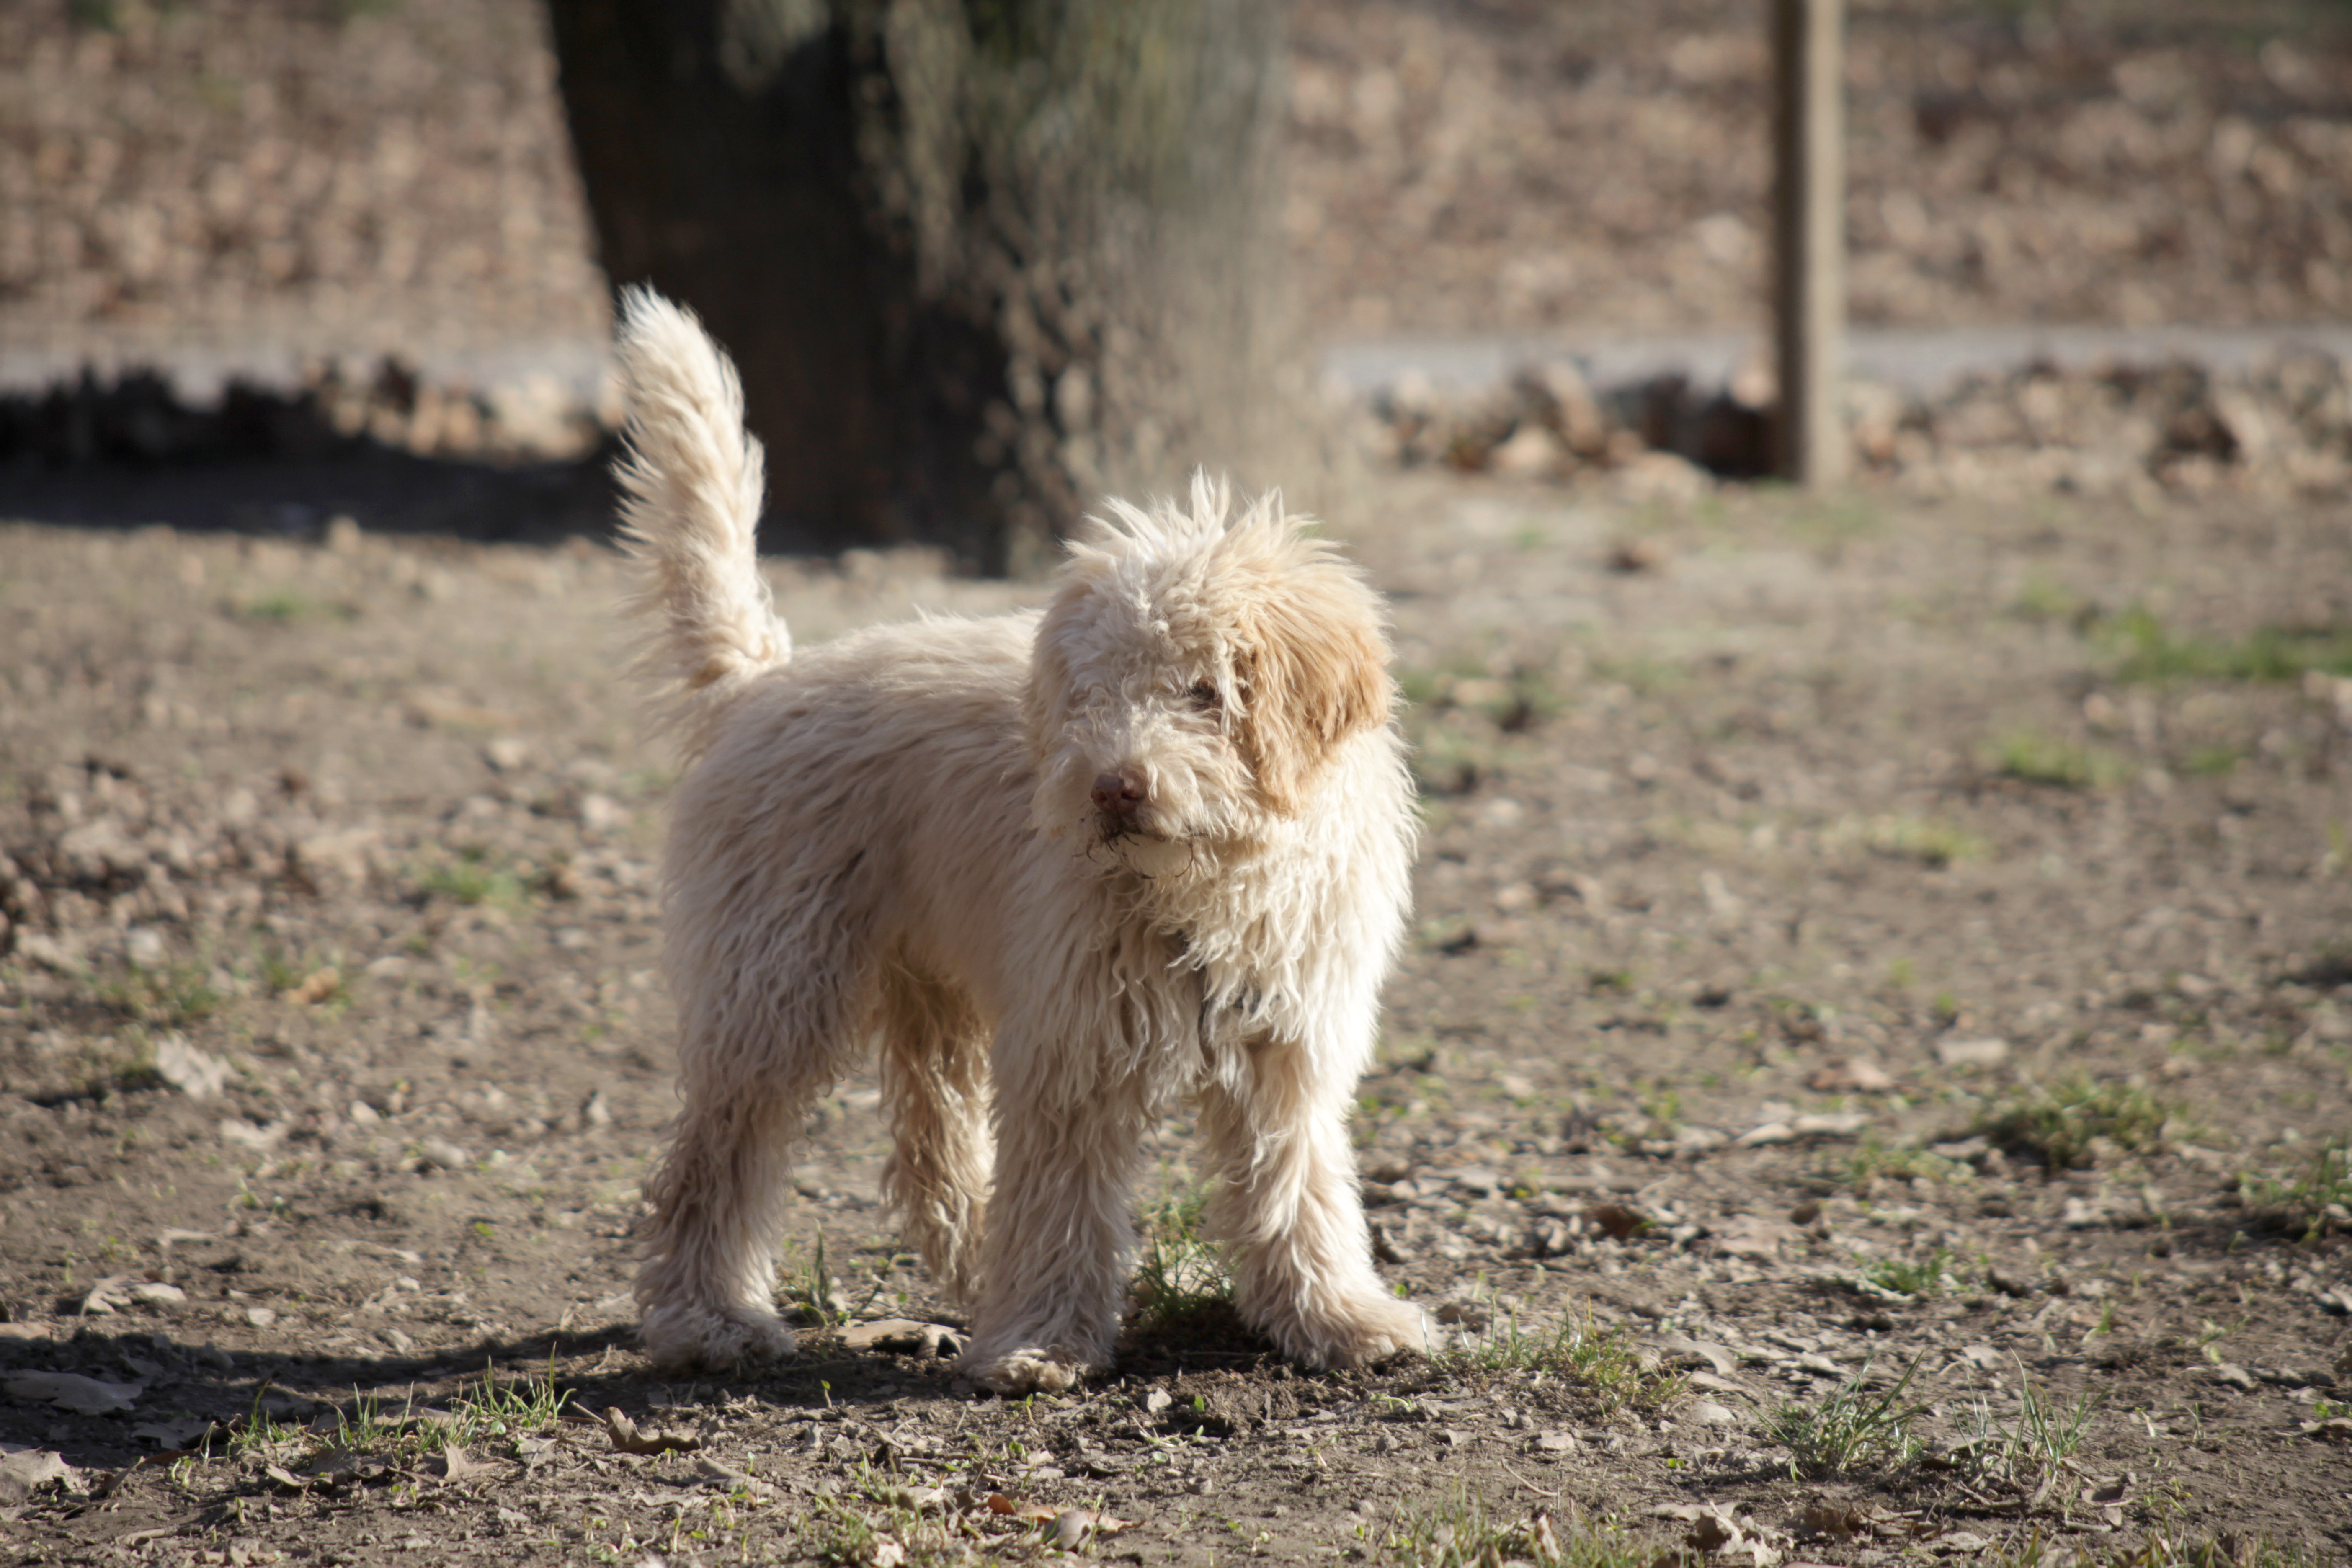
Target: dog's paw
{"type": "Point", "coordinates": [1023, 1371]}
{"type": "Point", "coordinates": [1359, 1332]}
{"type": "Point", "coordinates": [700, 1338]}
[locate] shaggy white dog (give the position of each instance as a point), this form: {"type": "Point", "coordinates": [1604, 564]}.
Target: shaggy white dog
{"type": "Point", "coordinates": [1149, 846]}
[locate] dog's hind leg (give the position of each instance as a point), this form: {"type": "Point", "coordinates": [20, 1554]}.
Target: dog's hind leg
{"type": "Point", "coordinates": [1285, 1205]}
{"type": "Point", "coordinates": [759, 1037]}
{"type": "Point", "coordinates": [935, 1091]}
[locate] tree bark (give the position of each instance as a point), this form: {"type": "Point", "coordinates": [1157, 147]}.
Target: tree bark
{"type": "Point", "coordinates": [978, 260]}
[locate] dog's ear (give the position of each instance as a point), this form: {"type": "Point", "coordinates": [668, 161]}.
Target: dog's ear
{"type": "Point", "coordinates": [1046, 699]}
{"type": "Point", "coordinates": [1314, 667]}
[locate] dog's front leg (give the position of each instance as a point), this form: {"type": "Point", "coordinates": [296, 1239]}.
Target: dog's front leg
{"type": "Point", "coordinates": [1060, 1235]}
{"type": "Point", "coordinates": [1286, 1207]}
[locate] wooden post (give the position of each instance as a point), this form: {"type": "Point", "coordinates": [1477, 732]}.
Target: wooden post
{"type": "Point", "coordinates": [1808, 236]}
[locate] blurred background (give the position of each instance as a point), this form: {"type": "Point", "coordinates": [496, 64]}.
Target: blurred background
{"type": "Point", "coordinates": [1484, 219]}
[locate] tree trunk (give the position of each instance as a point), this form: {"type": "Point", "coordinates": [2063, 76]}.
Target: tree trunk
{"type": "Point", "coordinates": [977, 259]}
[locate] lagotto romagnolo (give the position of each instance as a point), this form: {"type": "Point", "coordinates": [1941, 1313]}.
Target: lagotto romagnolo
{"type": "Point", "coordinates": [1150, 846]}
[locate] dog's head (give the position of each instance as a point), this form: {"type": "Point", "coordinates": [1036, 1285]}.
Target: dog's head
{"type": "Point", "coordinates": [1196, 674]}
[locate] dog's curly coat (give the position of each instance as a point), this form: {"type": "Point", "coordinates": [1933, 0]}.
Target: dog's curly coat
{"type": "Point", "coordinates": [1152, 844]}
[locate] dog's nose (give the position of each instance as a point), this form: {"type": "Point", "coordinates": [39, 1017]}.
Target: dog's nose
{"type": "Point", "coordinates": [1118, 794]}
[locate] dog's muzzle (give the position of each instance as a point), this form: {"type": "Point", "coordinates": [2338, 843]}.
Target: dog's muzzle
{"type": "Point", "coordinates": [1120, 798]}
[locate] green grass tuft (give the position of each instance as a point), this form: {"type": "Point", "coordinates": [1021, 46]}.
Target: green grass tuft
{"type": "Point", "coordinates": [2311, 1207]}
{"type": "Point", "coordinates": [2037, 758]}
{"type": "Point", "coordinates": [1600, 1358]}
{"type": "Point", "coordinates": [1179, 1276]}
{"type": "Point", "coordinates": [1462, 1533]}
{"type": "Point", "coordinates": [1851, 1430]}
{"type": "Point", "coordinates": [2067, 1123]}
{"type": "Point", "coordinates": [1928, 1276]}
{"type": "Point", "coordinates": [2151, 652]}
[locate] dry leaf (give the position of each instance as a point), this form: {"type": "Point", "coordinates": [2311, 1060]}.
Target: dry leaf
{"type": "Point", "coordinates": [1833, 1518]}
{"type": "Point", "coordinates": [902, 1334]}
{"type": "Point", "coordinates": [627, 1439]}
{"type": "Point", "coordinates": [999, 1504]}
{"type": "Point", "coordinates": [314, 987]}
{"type": "Point", "coordinates": [456, 1465]}
{"type": "Point", "coordinates": [71, 1391]}
{"type": "Point", "coordinates": [24, 1472]}
{"type": "Point", "coordinates": [1617, 1222]}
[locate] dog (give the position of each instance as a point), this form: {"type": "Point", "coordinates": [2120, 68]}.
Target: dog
{"type": "Point", "coordinates": [1149, 846]}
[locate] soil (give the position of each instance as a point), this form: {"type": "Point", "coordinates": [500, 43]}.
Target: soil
{"type": "Point", "coordinates": [1880, 949]}
{"type": "Point", "coordinates": [1789, 866]}
{"type": "Point", "coordinates": [257, 179]}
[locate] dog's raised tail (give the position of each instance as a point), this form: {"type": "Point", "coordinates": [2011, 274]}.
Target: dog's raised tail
{"type": "Point", "coordinates": [692, 483]}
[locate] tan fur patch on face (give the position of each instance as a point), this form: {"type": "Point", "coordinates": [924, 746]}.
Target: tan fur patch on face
{"type": "Point", "coordinates": [1313, 665]}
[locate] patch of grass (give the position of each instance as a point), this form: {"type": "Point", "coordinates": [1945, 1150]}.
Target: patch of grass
{"type": "Point", "coordinates": [2043, 598]}
{"type": "Point", "coordinates": [1645, 675]}
{"type": "Point", "coordinates": [285, 606]}
{"type": "Point", "coordinates": [1179, 1276]}
{"type": "Point", "coordinates": [1875, 1160]}
{"type": "Point", "coordinates": [1461, 1532]}
{"type": "Point", "coordinates": [2037, 758]}
{"type": "Point", "coordinates": [1840, 517]}
{"type": "Point", "coordinates": [1602, 1358]}
{"type": "Point", "coordinates": [2310, 1206]}
{"type": "Point", "coordinates": [2211, 762]}
{"type": "Point", "coordinates": [2047, 1434]}
{"type": "Point", "coordinates": [1930, 841]}
{"type": "Point", "coordinates": [472, 878]}
{"type": "Point", "coordinates": [493, 1411]}
{"type": "Point", "coordinates": [2151, 652]}
{"type": "Point", "coordinates": [167, 996]}
{"type": "Point", "coordinates": [812, 1294]}
{"type": "Point", "coordinates": [1851, 1430]}
{"type": "Point", "coordinates": [1452, 754]}
{"type": "Point", "coordinates": [504, 1411]}
{"type": "Point", "coordinates": [1928, 1276]}
{"type": "Point", "coordinates": [2067, 1123]}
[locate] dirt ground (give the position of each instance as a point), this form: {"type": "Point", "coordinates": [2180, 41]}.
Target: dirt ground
{"type": "Point", "coordinates": [1871, 956]}
{"type": "Point", "coordinates": [357, 177]}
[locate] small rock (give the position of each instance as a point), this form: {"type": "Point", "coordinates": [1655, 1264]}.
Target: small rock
{"type": "Point", "coordinates": [1478, 1181]}
{"type": "Point", "coordinates": [1707, 1413]}
{"type": "Point", "coordinates": [444, 1155]}
{"type": "Point", "coordinates": [252, 1135]}
{"type": "Point", "coordinates": [1500, 814]}
{"type": "Point", "coordinates": [2230, 1374]}
{"type": "Point", "coordinates": [597, 1111]}
{"type": "Point", "coordinates": [506, 754]}
{"type": "Point", "coordinates": [195, 1073]}
{"type": "Point", "coordinates": [143, 946]}
{"type": "Point", "coordinates": [1532, 452]}
{"type": "Point", "coordinates": [1987, 1052]}
{"type": "Point", "coordinates": [1859, 1075]}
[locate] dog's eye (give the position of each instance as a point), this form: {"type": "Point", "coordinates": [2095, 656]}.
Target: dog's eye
{"type": "Point", "coordinates": [1205, 695]}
